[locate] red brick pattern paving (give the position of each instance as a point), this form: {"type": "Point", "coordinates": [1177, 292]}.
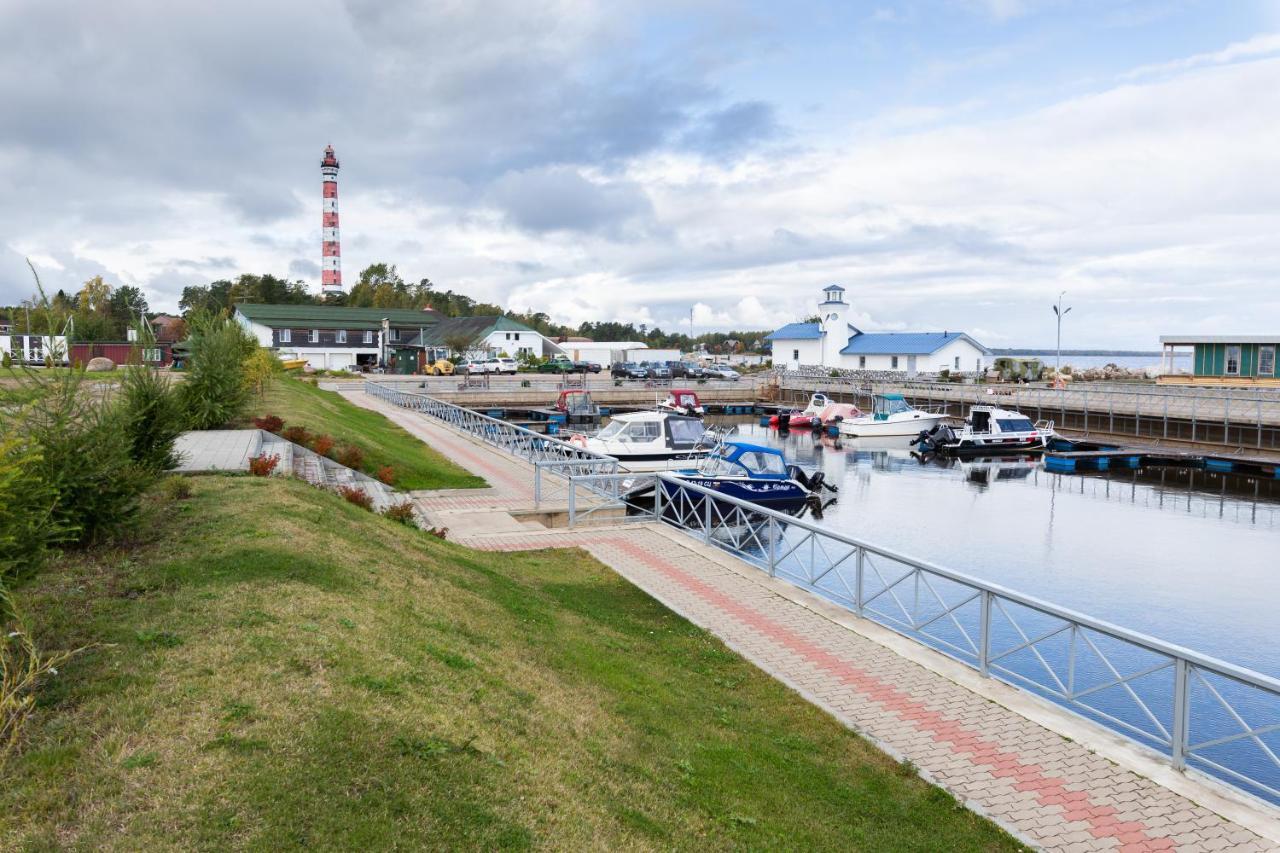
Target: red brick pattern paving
{"type": "Point", "coordinates": [1050, 791]}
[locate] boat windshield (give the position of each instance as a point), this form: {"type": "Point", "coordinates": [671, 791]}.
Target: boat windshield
{"type": "Point", "coordinates": [686, 430]}
{"type": "Point", "coordinates": [613, 430]}
{"type": "Point", "coordinates": [1015, 424]}
{"type": "Point", "coordinates": [759, 462]}
{"type": "Point", "coordinates": [891, 406]}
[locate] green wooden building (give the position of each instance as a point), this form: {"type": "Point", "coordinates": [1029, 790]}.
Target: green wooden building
{"type": "Point", "coordinates": [1219, 359]}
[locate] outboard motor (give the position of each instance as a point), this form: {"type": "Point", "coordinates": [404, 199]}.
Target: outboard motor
{"type": "Point", "coordinates": [814, 483]}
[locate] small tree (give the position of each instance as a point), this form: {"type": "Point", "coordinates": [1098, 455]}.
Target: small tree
{"type": "Point", "coordinates": [216, 390]}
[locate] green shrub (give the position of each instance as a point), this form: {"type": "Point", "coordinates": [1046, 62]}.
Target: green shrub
{"type": "Point", "coordinates": [217, 386]}
{"type": "Point", "coordinates": [153, 418]}
{"type": "Point", "coordinates": [26, 509]}
{"type": "Point", "coordinates": [175, 488]}
{"type": "Point", "coordinates": [85, 456]}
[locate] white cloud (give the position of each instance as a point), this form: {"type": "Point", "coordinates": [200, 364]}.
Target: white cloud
{"type": "Point", "coordinates": [1260, 45]}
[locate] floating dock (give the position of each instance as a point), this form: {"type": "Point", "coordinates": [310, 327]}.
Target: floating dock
{"type": "Point", "coordinates": [1103, 458]}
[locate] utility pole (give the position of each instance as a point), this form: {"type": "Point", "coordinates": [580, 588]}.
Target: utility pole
{"type": "Point", "coordinates": [1059, 313]}
{"type": "Point", "coordinates": [690, 330]}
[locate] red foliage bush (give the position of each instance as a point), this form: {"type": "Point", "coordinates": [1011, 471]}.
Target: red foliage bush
{"type": "Point", "coordinates": [297, 434]}
{"type": "Point", "coordinates": [357, 496]}
{"type": "Point", "coordinates": [322, 444]}
{"type": "Point", "coordinates": [270, 423]}
{"type": "Point", "coordinates": [387, 474]}
{"type": "Point", "coordinates": [351, 456]}
{"type": "Point", "coordinates": [401, 512]}
{"type": "Point", "coordinates": [262, 466]}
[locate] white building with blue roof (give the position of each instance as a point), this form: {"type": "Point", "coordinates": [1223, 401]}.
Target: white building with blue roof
{"type": "Point", "coordinates": [834, 343]}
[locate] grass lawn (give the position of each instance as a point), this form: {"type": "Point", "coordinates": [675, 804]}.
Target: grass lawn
{"type": "Point", "coordinates": [287, 671]}
{"type": "Point", "coordinates": [417, 465]}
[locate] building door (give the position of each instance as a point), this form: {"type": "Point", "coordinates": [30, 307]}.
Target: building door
{"type": "Point", "coordinates": [911, 365]}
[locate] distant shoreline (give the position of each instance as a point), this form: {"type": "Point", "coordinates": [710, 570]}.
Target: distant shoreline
{"type": "Point", "coordinates": [1128, 353]}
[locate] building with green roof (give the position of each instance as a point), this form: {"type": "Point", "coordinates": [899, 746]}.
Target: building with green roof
{"type": "Point", "coordinates": [331, 337]}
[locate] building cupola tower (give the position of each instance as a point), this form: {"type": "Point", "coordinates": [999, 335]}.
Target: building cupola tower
{"type": "Point", "coordinates": [833, 322]}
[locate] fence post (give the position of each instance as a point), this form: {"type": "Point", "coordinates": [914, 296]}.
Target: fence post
{"type": "Point", "coordinates": [1193, 417]}
{"type": "Point", "coordinates": [1226, 419]}
{"type": "Point", "coordinates": [1259, 422]}
{"type": "Point", "coordinates": [657, 497]}
{"type": "Point", "coordinates": [706, 517]}
{"type": "Point", "coordinates": [1181, 714]}
{"type": "Point", "coordinates": [984, 633]}
{"type": "Point", "coordinates": [573, 501]}
{"type": "Point", "coordinates": [537, 484]}
{"type": "Point", "coordinates": [773, 563]}
{"type": "Point", "coordinates": [859, 594]}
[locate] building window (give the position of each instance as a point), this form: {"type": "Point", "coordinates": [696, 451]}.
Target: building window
{"type": "Point", "coordinates": [368, 337]}
{"type": "Point", "coordinates": [394, 335]}
{"type": "Point", "coordinates": [957, 367]}
{"type": "Point", "coordinates": [342, 336]}
{"type": "Point", "coordinates": [1267, 361]}
{"type": "Point", "coordinates": [315, 336]}
{"type": "Point", "coordinates": [1233, 360]}
{"type": "Point", "coordinates": [862, 361]}
{"type": "Point", "coordinates": [795, 355]}
{"type": "Point", "coordinates": [286, 336]}
{"type": "Point", "coordinates": [893, 362]}
{"type": "Point", "coordinates": [152, 355]}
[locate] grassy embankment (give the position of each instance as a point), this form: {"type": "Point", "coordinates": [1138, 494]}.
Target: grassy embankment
{"type": "Point", "coordinates": [283, 670]}
{"type": "Point", "coordinates": [417, 466]}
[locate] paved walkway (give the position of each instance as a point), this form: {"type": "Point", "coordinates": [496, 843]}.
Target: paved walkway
{"type": "Point", "coordinates": [1050, 791]}
{"type": "Point", "coordinates": [217, 449]}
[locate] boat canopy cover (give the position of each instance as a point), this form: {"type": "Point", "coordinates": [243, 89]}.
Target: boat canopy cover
{"type": "Point", "coordinates": [891, 396]}
{"type": "Point", "coordinates": [760, 462]}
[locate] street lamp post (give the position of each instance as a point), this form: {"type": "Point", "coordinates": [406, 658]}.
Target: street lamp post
{"type": "Point", "coordinates": [1059, 312]}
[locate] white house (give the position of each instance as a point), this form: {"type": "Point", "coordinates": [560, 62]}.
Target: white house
{"type": "Point", "coordinates": [833, 343]}
{"type": "Point", "coordinates": [34, 349]}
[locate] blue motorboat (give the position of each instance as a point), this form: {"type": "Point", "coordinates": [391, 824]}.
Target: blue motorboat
{"type": "Point", "coordinates": [752, 473]}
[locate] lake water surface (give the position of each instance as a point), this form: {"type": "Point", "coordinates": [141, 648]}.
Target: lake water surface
{"type": "Point", "coordinates": [1184, 555]}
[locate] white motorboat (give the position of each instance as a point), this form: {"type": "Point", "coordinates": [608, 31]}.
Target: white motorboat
{"type": "Point", "coordinates": [891, 415]}
{"type": "Point", "coordinates": [651, 441]}
{"type": "Point", "coordinates": [989, 430]}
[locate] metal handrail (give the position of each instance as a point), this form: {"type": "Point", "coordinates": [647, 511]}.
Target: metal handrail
{"type": "Point", "coordinates": [705, 512]}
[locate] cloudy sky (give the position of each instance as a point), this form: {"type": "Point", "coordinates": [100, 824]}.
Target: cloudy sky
{"type": "Point", "coordinates": [953, 163]}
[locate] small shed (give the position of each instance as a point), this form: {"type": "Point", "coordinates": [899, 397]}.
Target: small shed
{"type": "Point", "coordinates": [1219, 359]}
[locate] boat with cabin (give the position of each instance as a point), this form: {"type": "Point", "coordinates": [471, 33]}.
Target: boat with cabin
{"type": "Point", "coordinates": [891, 414]}
{"type": "Point", "coordinates": [989, 430]}
{"type": "Point", "coordinates": [748, 472]}
{"type": "Point", "coordinates": [682, 401]}
{"type": "Point", "coordinates": [577, 407]}
{"type": "Point", "coordinates": [651, 441]}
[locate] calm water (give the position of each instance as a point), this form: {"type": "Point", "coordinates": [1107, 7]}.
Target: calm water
{"type": "Point", "coordinates": [1186, 556]}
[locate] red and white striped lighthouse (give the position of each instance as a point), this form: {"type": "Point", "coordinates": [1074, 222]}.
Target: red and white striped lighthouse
{"type": "Point", "coordinates": [330, 252]}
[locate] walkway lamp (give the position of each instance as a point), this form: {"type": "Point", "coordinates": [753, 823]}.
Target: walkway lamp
{"type": "Point", "coordinates": [1059, 312]}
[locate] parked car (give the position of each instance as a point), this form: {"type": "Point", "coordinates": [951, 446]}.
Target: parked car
{"type": "Point", "coordinates": [501, 365]}
{"type": "Point", "coordinates": [723, 371]}
{"type": "Point", "coordinates": [558, 364]}
{"type": "Point", "coordinates": [439, 367]}
{"type": "Point", "coordinates": [586, 367]}
{"type": "Point", "coordinates": [685, 370]}
{"type": "Point", "coordinates": [628, 370]}
{"type": "Point", "coordinates": [657, 369]}
{"type": "Point", "coordinates": [472, 367]}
